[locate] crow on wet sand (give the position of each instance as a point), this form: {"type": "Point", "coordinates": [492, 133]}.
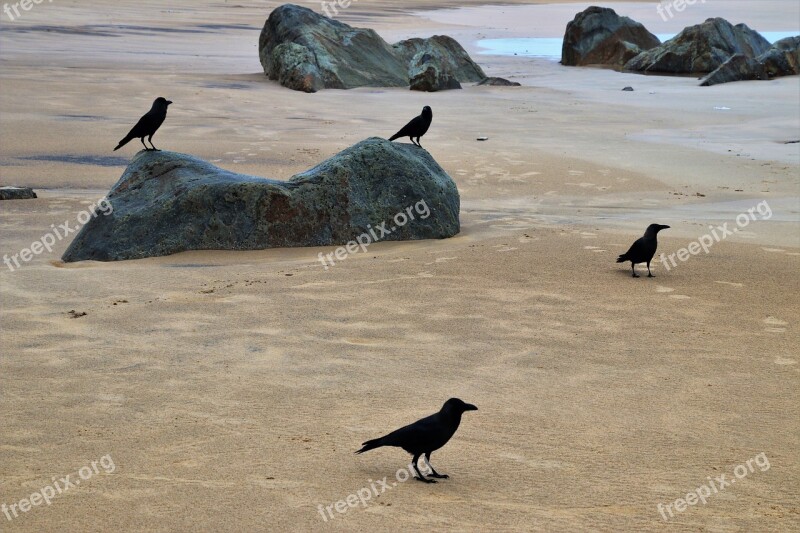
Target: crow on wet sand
{"type": "Point", "coordinates": [643, 250]}
{"type": "Point", "coordinates": [425, 436]}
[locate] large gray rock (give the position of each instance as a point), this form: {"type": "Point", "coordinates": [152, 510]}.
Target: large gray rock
{"type": "Point", "coordinates": [783, 59]}
{"type": "Point", "coordinates": [16, 193]}
{"type": "Point", "coordinates": [598, 36]}
{"type": "Point", "coordinates": [738, 68]}
{"type": "Point", "coordinates": [700, 49]}
{"type": "Point", "coordinates": [450, 56]}
{"type": "Point", "coordinates": [297, 68]}
{"type": "Point", "coordinates": [306, 51]}
{"type": "Point", "coordinates": [430, 73]}
{"type": "Point", "coordinates": [167, 202]}
{"type": "Point", "coordinates": [336, 56]}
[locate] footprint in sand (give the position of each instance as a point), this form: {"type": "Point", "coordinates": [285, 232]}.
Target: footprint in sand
{"type": "Point", "coordinates": [506, 249]}
{"type": "Point", "coordinates": [360, 342]}
{"type": "Point", "coordinates": [731, 283]}
{"type": "Point", "coordinates": [775, 325]}
{"type": "Point", "coordinates": [543, 464]}
{"type": "Point", "coordinates": [312, 285]}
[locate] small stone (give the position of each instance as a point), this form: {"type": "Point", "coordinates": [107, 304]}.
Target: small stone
{"type": "Point", "coordinates": [16, 193]}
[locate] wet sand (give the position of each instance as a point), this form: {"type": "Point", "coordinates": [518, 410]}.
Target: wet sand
{"type": "Point", "coordinates": [231, 388]}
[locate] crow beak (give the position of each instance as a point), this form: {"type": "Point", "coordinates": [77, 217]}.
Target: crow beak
{"type": "Point", "coordinates": [664, 227]}
{"type": "Point", "coordinates": [169, 102]}
{"type": "Point", "coordinates": [469, 407]}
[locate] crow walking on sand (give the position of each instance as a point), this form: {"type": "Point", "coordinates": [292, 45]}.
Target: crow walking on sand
{"type": "Point", "coordinates": [148, 124]}
{"type": "Point", "coordinates": [417, 127]}
{"type": "Point", "coordinates": [643, 250]}
{"type": "Point", "coordinates": [425, 436]}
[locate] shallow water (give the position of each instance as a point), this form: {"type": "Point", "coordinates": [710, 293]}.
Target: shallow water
{"type": "Point", "coordinates": [550, 47]}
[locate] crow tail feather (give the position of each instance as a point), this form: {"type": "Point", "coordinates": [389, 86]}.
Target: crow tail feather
{"type": "Point", "coordinates": [123, 142]}
{"type": "Point", "coordinates": [371, 445]}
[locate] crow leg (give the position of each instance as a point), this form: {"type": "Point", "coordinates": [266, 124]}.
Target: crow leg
{"type": "Point", "coordinates": [153, 145]}
{"type": "Point", "coordinates": [649, 274]}
{"type": "Point", "coordinates": [419, 143]}
{"type": "Point", "coordinates": [633, 269]}
{"type": "Point", "coordinates": [413, 141]}
{"type": "Point", "coordinates": [147, 148]}
{"type": "Point", "coordinates": [434, 473]}
{"type": "Point", "coordinates": [419, 474]}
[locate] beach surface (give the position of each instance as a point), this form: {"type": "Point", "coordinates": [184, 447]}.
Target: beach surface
{"type": "Point", "coordinates": [230, 389]}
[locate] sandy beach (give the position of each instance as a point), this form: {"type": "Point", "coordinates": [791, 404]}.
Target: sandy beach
{"type": "Point", "coordinates": [227, 391]}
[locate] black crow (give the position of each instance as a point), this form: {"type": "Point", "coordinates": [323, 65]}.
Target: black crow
{"type": "Point", "coordinates": [148, 124]}
{"type": "Point", "coordinates": [643, 250]}
{"type": "Point", "coordinates": [425, 436]}
{"type": "Point", "coordinates": [417, 127]}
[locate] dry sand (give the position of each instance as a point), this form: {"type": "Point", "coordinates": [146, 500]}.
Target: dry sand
{"type": "Point", "coordinates": [231, 389]}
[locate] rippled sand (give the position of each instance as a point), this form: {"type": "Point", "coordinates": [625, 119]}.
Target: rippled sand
{"type": "Point", "coordinates": [231, 389]}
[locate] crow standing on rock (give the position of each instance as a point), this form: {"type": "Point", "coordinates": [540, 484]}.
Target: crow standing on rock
{"type": "Point", "coordinates": [417, 127]}
{"type": "Point", "coordinates": [425, 436]}
{"type": "Point", "coordinates": [643, 250]}
{"type": "Point", "coordinates": [148, 124]}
